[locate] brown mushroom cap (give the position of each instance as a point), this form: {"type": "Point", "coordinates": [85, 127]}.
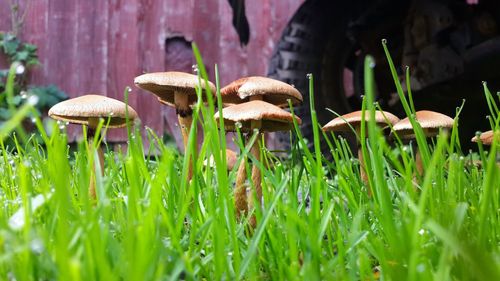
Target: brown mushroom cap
{"type": "Point", "coordinates": [430, 122]}
{"type": "Point", "coordinates": [486, 137]}
{"type": "Point", "coordinates": [341, 123]}
{"type": "Point", "coordinates": [272, 117]}
{"type": "Point", "coordinates": [84, 109]}
{"type": "Point", "coordinates": [272, 91]}
{"type": "Point", "coordinates": [165, 84]}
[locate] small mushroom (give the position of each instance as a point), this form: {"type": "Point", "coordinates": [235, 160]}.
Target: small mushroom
{"type": "Point", "coordinates": [345, 122]}
{"type": "Point", "coordinates": [87, 110]}
{"type": "Point", "coordinates": [264, 117]}
{"type": "Point", "coordinates": [431, 122]}
{"type": "Point", "coordinates": [177, 89]}
{"type": "Point", "coordinates": [485, 138]}
{"type": "Point", "coordinates": [231, 158]}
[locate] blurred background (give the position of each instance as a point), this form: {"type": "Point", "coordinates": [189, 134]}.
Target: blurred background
{"type": "Point", "coordinates": [72, 48]}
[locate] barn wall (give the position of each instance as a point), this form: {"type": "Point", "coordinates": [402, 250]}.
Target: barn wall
{"type": "Point", "coordinates": [100, 46]}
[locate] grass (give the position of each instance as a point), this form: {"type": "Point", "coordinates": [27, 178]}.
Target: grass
{"type": "Point", "coordinates": [150, 223]}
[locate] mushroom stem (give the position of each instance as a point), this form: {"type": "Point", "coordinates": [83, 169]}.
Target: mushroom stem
{"type": "Point", "coordinates": [240, 192]}
{"type": "Point", "coordinates": [362, 169]}
{"type": "Point", "coordinates": [256, 180]}
{"type": "Point", "coordinates": [185, 116]}
{"type": "Point", "coordinates": [100, 158]}
{"type": "Point", "coordinates": [256, 176]}
{"type": "Point", "coordinates": [418, 163]}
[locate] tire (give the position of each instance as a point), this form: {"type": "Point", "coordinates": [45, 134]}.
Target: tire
{"type": "Point", "coordinates": [309, 44]}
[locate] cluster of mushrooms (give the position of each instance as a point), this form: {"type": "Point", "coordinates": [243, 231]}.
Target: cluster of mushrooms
{"type": "Point", "coordinates": [251, 104]}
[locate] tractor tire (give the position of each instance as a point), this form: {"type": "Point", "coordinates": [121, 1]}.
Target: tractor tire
{"type": "Point", "coordinates": [313, 42]}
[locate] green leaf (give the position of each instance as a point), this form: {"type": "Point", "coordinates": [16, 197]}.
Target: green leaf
{"type": "Point", "coordinates": [10, 45]}
{"type": "Point", "coordinates": [21, 56]}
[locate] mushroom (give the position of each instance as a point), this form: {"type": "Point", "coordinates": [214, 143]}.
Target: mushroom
{"type": "Point", "coordinates": [177, 89]}
{"type": "Point", "coordinates": [431, 122]}
{"type": "Point", "coordinates": [264, 117]}
{"type": "Point", "coordinates": [87, 110]}
{"type": "Point", "coordinates": [485, 138]}
{"type": "Point", "coordinates": [345, 122]}
{"type": "Point", "coordinates": [260, 88]}
{"type": "Point", "coordinates": [231, 158]}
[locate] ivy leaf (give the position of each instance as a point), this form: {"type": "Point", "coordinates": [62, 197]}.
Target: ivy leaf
{"type": "Point", "coordinates": [48, 96]}
{"type": "Point", "coordinates": [30, 48]}
{"type": "Point", "coordinates": [4, 113]}
{"type": "Point", "coordinates": [10, 44]}
{"type": "Point", "coordinates": [21, 56]}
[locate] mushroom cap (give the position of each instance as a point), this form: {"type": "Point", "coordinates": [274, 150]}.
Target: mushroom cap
{"type": "Point", "coordinates": [272, 91]}
{"type": "Point", "coordinates": [165, 84]}
{"type": "Point", "coordinates": [341, 123]}
{"type": "Point", "coordinates": [272, 117]}
{"type": "Point", "coordinates": [486, 137]}
{"type": "Point", "coordinates": [430, 122]}
{"type": "Point", "coordinates": [82, 109]}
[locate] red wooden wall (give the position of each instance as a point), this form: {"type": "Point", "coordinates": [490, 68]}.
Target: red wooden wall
{"type": "Point", "coordinates": [101, 45]}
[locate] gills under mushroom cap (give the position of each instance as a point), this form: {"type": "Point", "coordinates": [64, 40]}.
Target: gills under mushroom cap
{"type": "Point", "coordinates": [343, 123]}
{"type": "Point", "coordinates": [272, 117]}
{"type": "Point", "coordinates": [271, 90]}
{"type": "Point", "coordinates": [84, 109]}
{"type": "Point", "coordinates": [166, 84]}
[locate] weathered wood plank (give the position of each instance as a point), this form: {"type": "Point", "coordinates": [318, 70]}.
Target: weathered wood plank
{"type": "Point", "coordinates": [100, 46]}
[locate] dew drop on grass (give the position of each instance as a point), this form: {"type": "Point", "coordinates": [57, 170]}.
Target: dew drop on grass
{"type": "Point", "coordinates": [20, 69]}
{"type": "Point", "coordinates": [194, 67]}
{"type": "Point", "coordinates": [16, 221]}
{"type": "Point", "coordinates": [36, 246]}
{"type": "Point", "coordinates": [421, 231]}
{"type": "Point", "coordinates": [32, 100]}
{"type": "Point", "coordinates": [421, 267]}
{"type": "Point", "coordinates": [309, 76]}
{"type": "Point", "coordinates": [129, 90]}
{"type": "Point", "coordinates": [24, 95]}
{"type": "Point", "coordinates": [33, 120]}
{"type": "Point", "coordinates": [238, 125]}
{"type": "Point", "coordinates": [384, 41]}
